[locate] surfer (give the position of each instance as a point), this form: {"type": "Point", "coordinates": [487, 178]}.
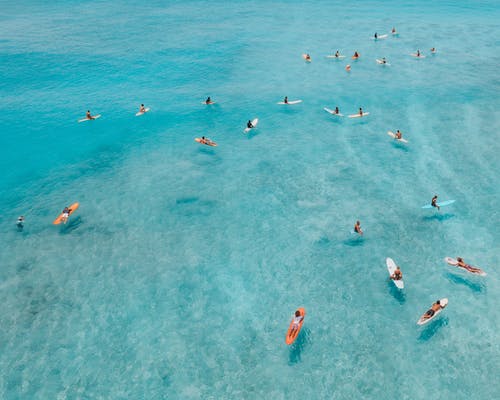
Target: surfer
{"type": "Point", "coordinates": [337, 54]}
{"type": "Point", "coordinates": [375, 35]}
{"type": "Point", "coordinates": [431, 311]}
{"type": "Point", "coordinates": [249, 124]}
{"type": "Point", "coordinates": [285, 100]}
{"type": "Point", "coordinates": [360, 111]}
{"type": "Point", "coordinates": [337, 111]}
{"type": "Point", "coordinates": [307, 57]}
{"type": "Point", "coordinates": [398, 135]}
{"type": "Point", "coordinates": [434, 202]}
{"type": "Point", "coordinates": [356, 55]}
{"type": "Point", "coordinates": [384, 61]}
{"type": "Point", "coordinates": [65, 214]}
{"type": "Point", "coordinates": [20, 222]}
{"type": "Point", "coordinates": [418, 53]}
{"type": "Point", "coordinates": [433, 50]}
{"type": "Point", "coordinates": [357, 228]}
{"type": "Point", "coordinates": [142, 109]}
{"type": "Point", "coordinates": [208, 100]}
{"type": "Point", "coordinates": [393, 31]}
{"type": "Point", "coordinates": [397, 275]}
{"type": "Point", "coordinates": [297, 319]}
{"type": "Point", "coordinates": [348, 68]}
{"type": "Point", "coordinates": [88, 115]}
{"type": "Point", "coordinates": [461, 263]}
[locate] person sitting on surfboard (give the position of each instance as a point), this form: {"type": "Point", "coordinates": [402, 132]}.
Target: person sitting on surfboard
{"type": "Point", "coordinates": [88, 115]}
{"type": "Point", "coordinates": [418, 53]}
{"type": "Point", "coordinates": [357, 228]}
{"type": "Point", "coordinates": [356, 55]}
{"type": "Point", "coordinates": [208, 100]}
{"type": "Point", "coordinates": [375, 35]}
{"type": "Point", "coordinates": [431, 311]}
{"type": "Point", "coordinates": [360, 111]}
{"type": "Point", "coordinates": [393, 31]}
{"type": "Point", "coordinates": [285, 100]}
{"type": "Point", "coordinates": [398, 135]}
{"type": "Point", "coordinates": [20, 222]}
{"type": "Point", "coordinates": [296, 322]}
{"type": "Point", "coordinates": [433, 50]}
{"type": "Point", "coordinates": [336, 110]}
{"type": "Point", "coordinates": [307, 57]}
{"type": "Point", "coordinates": [434, 202]}
{"type": "Point", "coordinates": [397, 275]}
{"type": "Point", "coordinates": [383, 60]}
{"type": "Point", "coordinates": [337, 54]}
{"type": "Point", "coordinates": [249, 124]}
{"type": "Point", "coordinates": [461, 263]}
{"type": "Point", "coordinates": [142, 109]}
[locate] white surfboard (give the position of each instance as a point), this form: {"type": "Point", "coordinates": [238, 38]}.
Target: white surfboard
{"type": "Point", "coordinates": [334, 56]}
{"type": "Point", "coordinates": [379, 37]}
{"type": "Point", "coordinates": [381, 62]}
{"type": "Point", "coordinates": [142, 112]}
{"type": "Point", "coordinates": [254, 123]}
{"type": "Point", "coordinates": [290, 102]}
{"type": "Point", "coordinates": [417, 56]}
{"type": "Point", "coordinates": [393, 135]}
{"type": "Point", "coordinates": [454, 262]}
{"type": "Point", "coordinates": [423, 320]}
{"type": "Point", "coordinates": [391, 267]}
{"type": "Point", "coordinates": [358, 115]}
{"type": "Point", "coordinates": [333, 112]}
{"type": "Point", "coordinates": [90, 119]}
{"type": "Point", "coordinates": [208, 104]}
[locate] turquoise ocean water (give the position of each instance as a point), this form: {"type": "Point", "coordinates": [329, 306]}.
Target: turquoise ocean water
{"type": "Point", "coordinates": [178, 275]}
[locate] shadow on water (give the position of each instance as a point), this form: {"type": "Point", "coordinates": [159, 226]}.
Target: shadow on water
{"type": "Point", "coordinates": [475, 287]}
{"type": "Point", "coordinates": [72, 225]}
{"type": "Point", "coordinates": [438, 217]}
{"type": "Point", "coordinates": [432, 328]}
{"type": "Point", "coordinates": [400, 146]}
{"type": "Point", "coordinates": [252, 133]}
{"type": "Point", "coordinates": [298, 346]}
{"type": "Point", "coordinates": [398, 294]}
{"type": "Point", "coordinates": [355, 240]}
{"type": "Point", "coordinates": [186, 200]}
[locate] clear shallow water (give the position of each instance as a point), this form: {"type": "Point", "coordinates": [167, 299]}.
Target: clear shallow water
{"type": "Point", "coordinates": [178, 274]}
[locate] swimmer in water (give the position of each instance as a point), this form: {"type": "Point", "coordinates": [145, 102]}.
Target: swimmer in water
{"type": "Point", "coordinates": [434, 202]}
{"type": "Point", "coordinates": [357, 228]}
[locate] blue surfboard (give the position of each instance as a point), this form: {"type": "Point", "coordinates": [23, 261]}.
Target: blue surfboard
{"type": "Point", "coordinates": [441, 204]}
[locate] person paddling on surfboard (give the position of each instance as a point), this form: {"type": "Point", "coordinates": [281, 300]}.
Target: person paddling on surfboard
{"type": "Point", "coordinates": [357, 228]}
{"type": "Point", "coordinates": [65, 214]}
{"type": "Point", "coordinates": [297, 319]}
{"type": "Point", "coordinates": [431, 311]}
{"type": "Point", "coordinates": [88, 115]}
{"type": "Point", "coordinates": [461, 263]}
{"type": "Point", "coordinates": [249, 124]}
{"type": "Point", "coordinates": [434, 202]}
{"type": "Point", "coordinates": [397, 275]}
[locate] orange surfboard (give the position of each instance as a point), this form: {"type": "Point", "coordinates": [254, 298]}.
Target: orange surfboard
{"type": "Point", "coordinates": [207, 142]}
{"type": "Point", "coordinates": [72, 208]}
{"type": "Point", "coordinates": [291, 336]}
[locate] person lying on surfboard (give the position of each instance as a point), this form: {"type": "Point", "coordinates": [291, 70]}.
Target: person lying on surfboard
{"type": "Point", "coordinates": [461, 263]}
{"type": "Point", "coordinates": [249, 124]}
{"type": "Point", "coordinates": [65, 214]}
{"type": "Point", "coordinates": [434, 202]}
{"type": "Point", "coordinates": [285, 100]}
{"type": "Point", "coordinates": [88, 115]}
{"type": "Point", "coordinates": [431, 311]}
{"type": "Point", "coordinates": [296, 322]}
{"type": "Point", "coordinates": [357, 228]}
{"type": "Point", "coordinates": [397, 275]}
